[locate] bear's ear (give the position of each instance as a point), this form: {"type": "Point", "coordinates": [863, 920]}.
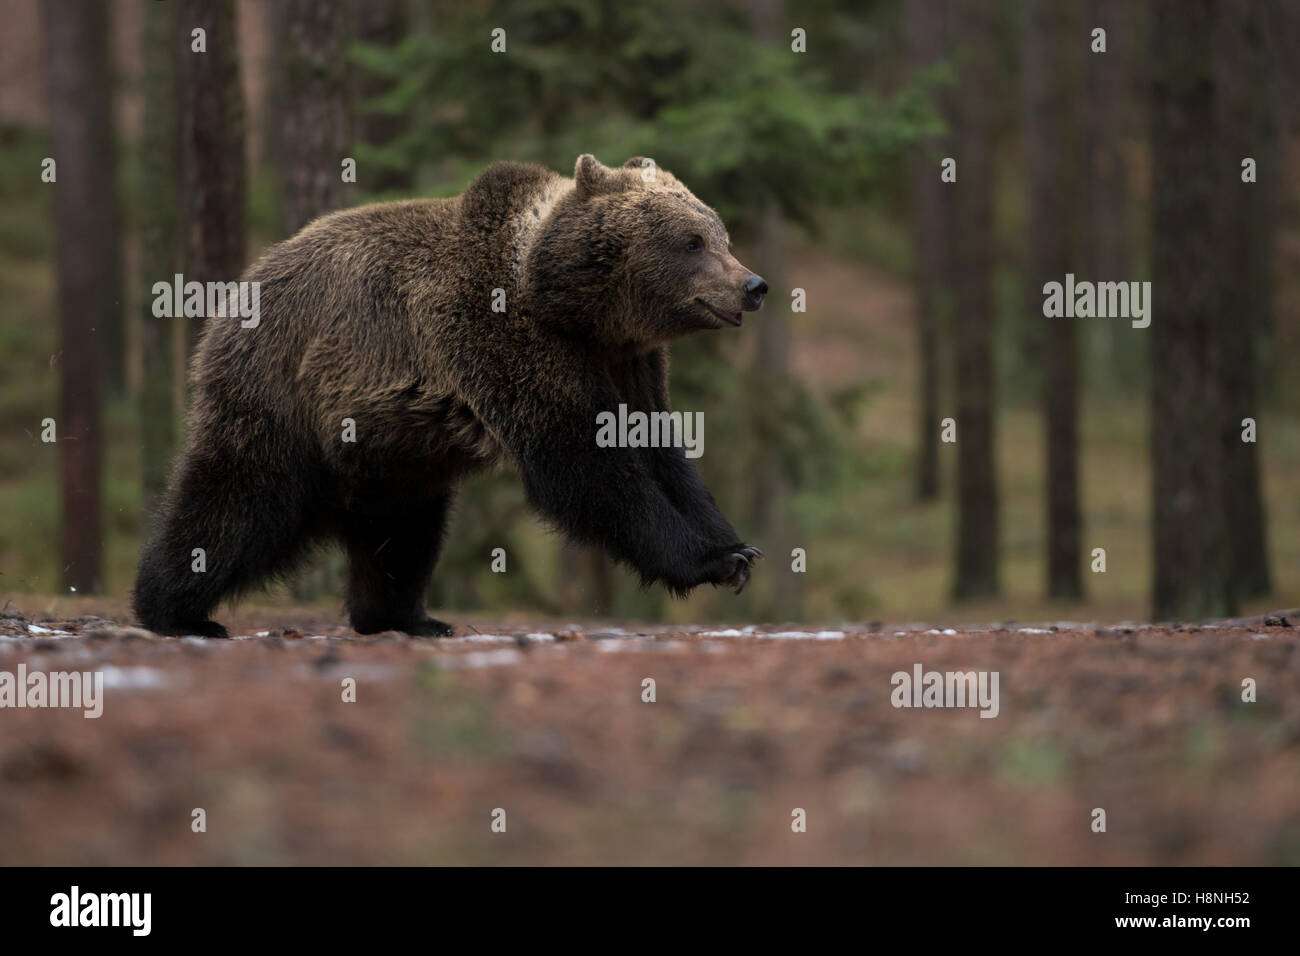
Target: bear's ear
{"type": "Point", "coordinates": [645, 164]}
{"type": "Point", "coordinates": [591, 176]}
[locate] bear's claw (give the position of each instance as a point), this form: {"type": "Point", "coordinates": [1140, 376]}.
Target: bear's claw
{"type": "Point", "coordinates": [741, 562]}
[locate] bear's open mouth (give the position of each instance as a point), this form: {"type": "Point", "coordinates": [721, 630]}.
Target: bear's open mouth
{"type": "Point", "coordinates": [734, 318]}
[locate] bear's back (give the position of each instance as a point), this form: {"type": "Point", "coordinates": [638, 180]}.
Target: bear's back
{"type": "Point", "coordinates": [358, 310]}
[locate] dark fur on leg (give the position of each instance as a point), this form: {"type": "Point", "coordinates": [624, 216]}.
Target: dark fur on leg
{"type": "Point", "coordinates": [249, 523]}
{"type": "Point", "coordinates": [391, 557]}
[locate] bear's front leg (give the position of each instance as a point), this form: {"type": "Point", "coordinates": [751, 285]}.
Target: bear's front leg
{"type": "Point", "coordinates": [549, 417]}
{"type": "Point", "coordinates": [610, 498]}
{"type": "Point", "coordinates": [643, 385]}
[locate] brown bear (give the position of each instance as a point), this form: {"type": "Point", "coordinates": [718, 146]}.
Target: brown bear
{"type": "Point", "coordinates": [379, 374]}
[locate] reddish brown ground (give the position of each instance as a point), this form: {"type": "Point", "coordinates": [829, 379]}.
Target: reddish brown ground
{"type": "Point", "coordinates": [1146, 723]}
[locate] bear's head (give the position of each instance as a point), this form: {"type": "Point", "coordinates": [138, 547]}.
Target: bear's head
{"type": "Point", "coordinates": [630, 257]}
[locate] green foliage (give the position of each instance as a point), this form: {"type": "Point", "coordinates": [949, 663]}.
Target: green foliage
{"type": "Point", "coordinates": [624, 79]}
{"type": "Point", "coordinates": [774, 132]}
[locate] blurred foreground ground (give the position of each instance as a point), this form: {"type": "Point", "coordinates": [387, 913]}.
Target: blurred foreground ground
{"type": "Point", "coordinates": [546, 722]}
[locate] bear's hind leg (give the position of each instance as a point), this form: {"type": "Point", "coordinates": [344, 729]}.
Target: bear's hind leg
{"type": "Point", "coordinates": [224, 528]}
{"type": "Point", "coordinates": [390, 561]}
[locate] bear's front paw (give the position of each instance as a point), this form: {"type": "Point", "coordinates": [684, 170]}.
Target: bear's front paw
{"type": "Point", "coordinates": [733, 567]}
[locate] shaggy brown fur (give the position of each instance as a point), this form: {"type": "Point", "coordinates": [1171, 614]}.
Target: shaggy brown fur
{"type": "Point", "coordinates": [382, 314]}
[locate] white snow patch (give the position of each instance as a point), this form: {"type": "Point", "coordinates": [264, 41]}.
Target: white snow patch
{"type": "Point", "coordinates": [537, 637]}
{"type": "Point", "coordinates": [729, 632]}
{"type": "Point", "coordinates": [37, 629]}
{"type": "Point", "coordinates": [618, 645]}
{"type": "Point", "coordinates": [805, 635]}
{"type": "Point", "coordinates": [752, 631]}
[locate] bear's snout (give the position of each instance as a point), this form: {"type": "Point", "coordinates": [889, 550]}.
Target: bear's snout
{"type": "Point", "coordinates": [754, 288]}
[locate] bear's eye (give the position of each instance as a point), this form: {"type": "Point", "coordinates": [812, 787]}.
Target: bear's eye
{"type": "Point", "coordinates": [694, 244]}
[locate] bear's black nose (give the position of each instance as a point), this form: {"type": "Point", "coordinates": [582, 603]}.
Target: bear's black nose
{"type": "Point", "coordinates": [754, 288]}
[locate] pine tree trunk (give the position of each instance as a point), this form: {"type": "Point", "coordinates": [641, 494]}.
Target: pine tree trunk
{"type": "Point", "coordinates": [977, 543]}
{"type": "Point", "coordinates": [1108, 115]}
{"type": "Point", "coordinates": [160, 233]}
{"type": "Point", "coordinates": [214, 146]}
{"type": "Point", "coordinates": [1248, 226]}
{"type": "Point", "coordinates": [1050, 119]}
{"type": "Point", "coordinates": [312, 37]}
{"type": "Point", "coordinates": [931, 243]}
{"type": "Point", "coordinates": [772, 492]}
{"type": "Point", "coordinates": [1191, 556]}
{"type": "Point", "coordinates": [85, 237]}
{"type": "Point", "coordinates": [102, 219]}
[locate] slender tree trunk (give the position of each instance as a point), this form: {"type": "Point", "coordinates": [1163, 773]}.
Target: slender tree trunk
{"type": "Point", "coordinates": [1191, 556]}
{"type": "Point", "coordinates": [1108, 118]}
{"type": "Point", "coordinates": [107, 232]}
{"type": "Point", "coordinates": [214, 147]}
{"type": "Point", "coordinates": [312, 38]}
{"type": "Point", "coordinates": [87, 268]}
{"type": "Point", "coordinates": [772, 491]}
{"type": "Point", "coordinates": [160, 235]}
{"type": "Point", "coordinates": [1247, 225]}
{"type": "Point", "coordinates": [102, 219]}
{"type": "Point", "coordinates": [977, 545]}
{"type": "Point", "coordinates": [931, 243]}
{"type": "Point", "coordinates": [1050, 118]}
{"type": "Point", "coordinates": [1281, 51]}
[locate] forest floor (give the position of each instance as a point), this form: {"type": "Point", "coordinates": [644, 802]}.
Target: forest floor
{"type": "Point", "coordinates": [545, 726]}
